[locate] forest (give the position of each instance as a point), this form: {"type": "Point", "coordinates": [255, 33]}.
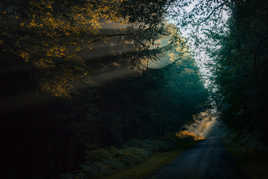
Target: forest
{"type": "Point", "coordinates": [101, 88]}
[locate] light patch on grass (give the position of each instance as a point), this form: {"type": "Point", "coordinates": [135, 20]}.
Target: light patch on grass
{"type": "Point", "coordinates": [184, 134]}
{"type": "Point", "coordinates": [199, 128]}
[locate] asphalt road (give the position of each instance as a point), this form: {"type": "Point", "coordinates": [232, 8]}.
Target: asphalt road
{"type": "Point", "coordinates": [208, 160]}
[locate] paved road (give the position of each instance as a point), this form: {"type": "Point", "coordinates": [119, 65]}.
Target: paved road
{"type": "Point", "coordinates": [208, 160]}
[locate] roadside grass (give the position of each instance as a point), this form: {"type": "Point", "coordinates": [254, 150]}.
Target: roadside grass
{"type": "Point", "coordinates": [147, 168]}
{"type": "Point", "coordinates": [154, 163]}
{"type": "Point", "coordinates": [137, 159]}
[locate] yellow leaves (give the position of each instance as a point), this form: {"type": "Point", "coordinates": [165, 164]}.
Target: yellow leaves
{"type": "Point", "coordinates": [186, 134]}
{"type": "Point", "coordinates": [78, 49]}
{"type": "Point", "coordinates": [49, 6]}
{"type": "Point", "coordinates": [52, 22]}
{"type": "Point", "coordinates": [88, 20]}
{"type": "Point", "coordinates": [44, 63]}
{"type": "Point", "coordinates": [67, 33]}
{"type": "Point", "coordinates": [105, 8]}
{"type": "Point", "coordinates": [181, 48]}
{"type": "Point", "coordinates": [58, 89]}
{"type": "Point", "coordinates": [172, 57]}
{"type": "Point", "coordinates": [95, 26]}
{"type": "Point", "coordinates": [51, 27]}
{"type": "Point", "coordinates": [42, 5]}
{"type": "Point", "coordinates": [56, 52]}
{"type": "Point", "coordinates": [48, 14]}
{"type": "Point", "coordinates": [25, 56]}
{"type": "Point", "coordinates": [86, 17]}
{"type": "Point", "coordinates": [61, 86]}
{"type": "Point", "coordinates": [57, 35]}
{"type": "Point", "coordinates": [33, 24]}
{"type": "Point", "coordinates": [90, 17]}
{"type": "Point", "coordinates": [172, 29]}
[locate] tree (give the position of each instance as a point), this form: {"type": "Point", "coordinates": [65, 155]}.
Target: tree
{"type": "Point", "coordinates": [51, 35]}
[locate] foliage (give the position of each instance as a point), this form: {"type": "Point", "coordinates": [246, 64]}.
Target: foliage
{"type": "Point", "coordinates": [202, 22]}
{"type": "Point", "coordinates": [53, 35]}
{"type": "Point", "coordinates": [240, 67]}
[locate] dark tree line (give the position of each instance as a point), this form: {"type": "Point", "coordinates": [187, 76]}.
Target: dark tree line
{"type": "Point", "coordinates": [241, 68]}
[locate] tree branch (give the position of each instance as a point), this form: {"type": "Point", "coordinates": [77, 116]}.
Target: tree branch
{"type": "Point", "coordinates": [212, 12]}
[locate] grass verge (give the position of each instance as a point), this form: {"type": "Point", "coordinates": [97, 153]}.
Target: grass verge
{"type": "Point", "coordinates": [136, 159]}
{"type": "Point", "coordinates": [147, 168]}
{"type": "Point", "coordinates": [154, 163]}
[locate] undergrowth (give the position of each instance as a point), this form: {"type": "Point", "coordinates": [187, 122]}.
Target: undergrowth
{"type": "Point", "coordinates": [250, 155]}
{"type": "Point", "coordinates": [134, 159]}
